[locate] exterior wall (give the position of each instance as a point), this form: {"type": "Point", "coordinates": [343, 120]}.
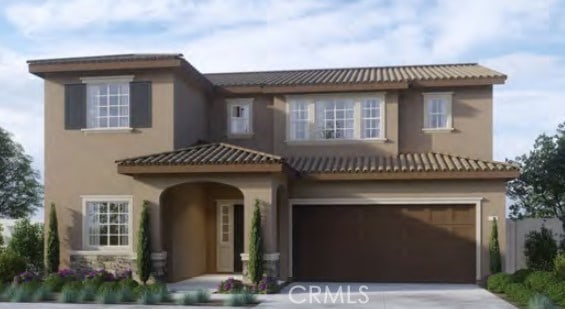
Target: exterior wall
{"type": "Point", "coordinates": [492, 192]}
{"type": "Point", "coordinates": [79, 164]}
{"type": "Point", "coordinates": [472, 121]}
{"type": "Point", "coordinates": [190, 114]}
{"type": "Point", "coordinates": [516, 231]}
{"type": "Point", "coordinates": [262, 138]}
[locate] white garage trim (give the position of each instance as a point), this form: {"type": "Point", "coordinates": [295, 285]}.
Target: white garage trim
{"type": "Point", "coordinates": [395, 200]}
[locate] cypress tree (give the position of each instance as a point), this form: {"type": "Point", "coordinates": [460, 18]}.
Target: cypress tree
{"type": "Point", "coordinates": [256, 247]}
{"type": "Point", "coordinates": [494, 250]}
{"type": "Point", "coordinates": [53, 242]}
{"type": "Point", "coordinates": [144, 245]}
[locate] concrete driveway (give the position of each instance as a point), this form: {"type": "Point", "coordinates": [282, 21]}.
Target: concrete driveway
{"type": "Point", "coordinates": [372, 295]}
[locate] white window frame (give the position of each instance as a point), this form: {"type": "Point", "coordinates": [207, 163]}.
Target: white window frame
{"type": "Point", "coordinates": [358, 99]}
{"type": "Point", "coordinates": [428, 98]}
{"type": "Point", "coordinates": [239, 102]}
{"type": "Point", "coordinates": [85, 227]}
{"type": "Point", "coordinates": [97, 80]}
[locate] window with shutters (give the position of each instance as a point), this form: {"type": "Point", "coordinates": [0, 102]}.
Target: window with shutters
{"type": "Point", "coordinates": [107, 222]}
{"type": "Point", "coordinates": [240, 117]}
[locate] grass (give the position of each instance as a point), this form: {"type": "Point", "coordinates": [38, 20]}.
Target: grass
{"type": "Point", "coordinates": [241, 299]}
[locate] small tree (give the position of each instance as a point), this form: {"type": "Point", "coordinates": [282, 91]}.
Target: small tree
{"type": "Point", "coordinates": [27, 241]}
{"type": "Point", "coordinates": [1, 236]}
{"type": "Point", "coordinates": [52, 262]}
{"type": "Point", "coordinates": [144, 245]}
{"type": "Point", "coordinates": [256, 247]}
{"type": "Point", "coordinates": [494, 250]}
{"type": "Point", "coordinates": [540, 250]}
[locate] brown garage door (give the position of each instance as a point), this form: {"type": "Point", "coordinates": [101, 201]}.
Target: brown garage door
{"type": "Point", "coordinates": [384, 243]}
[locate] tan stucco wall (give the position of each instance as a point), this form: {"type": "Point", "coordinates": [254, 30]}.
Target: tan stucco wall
{"type": "Point", "coordinates": [492, 192]}
{"type": "Point", "coordinates": [83, 164]}
{"type": "Point", "coordinates": [472, 121]}
{"type": "Point", "coordinates": [190, 114]}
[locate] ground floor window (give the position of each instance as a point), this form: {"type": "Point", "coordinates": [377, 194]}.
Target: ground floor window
{"type": "Point", "coordinates": [107, 221]}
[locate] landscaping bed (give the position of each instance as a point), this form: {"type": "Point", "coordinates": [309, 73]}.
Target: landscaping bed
{"type": "Point", "coordinates": [103, 287]}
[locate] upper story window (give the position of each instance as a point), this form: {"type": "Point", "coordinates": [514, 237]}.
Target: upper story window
{"type": "Point", "coordinates": [336, 117]}
{"type": "Point", "coordinates": [437, 111]}
{"type": "Point", "coordinates": [107, 105]}
{"type": "Point", "coordinates": [240, 117]}
{"type": "Point", "coordinates": [107, 221]}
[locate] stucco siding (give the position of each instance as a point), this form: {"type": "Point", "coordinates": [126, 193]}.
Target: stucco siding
{"type": "Point", "coordinates": [190, 114]}
{"type": "Point", "coordinates": [472, 123]}
{"type": "Point", "coordinates": [79, 164]}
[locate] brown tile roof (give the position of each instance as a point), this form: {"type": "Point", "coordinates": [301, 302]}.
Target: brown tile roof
{"type": "Point", "coordinates": [203, 154]}
{"type": "Point", "coordinates": [107, 58]}
{"type": "Point", "coordinates": [433, 72]}
{"type": "Point", "coordinates": [402, 163]}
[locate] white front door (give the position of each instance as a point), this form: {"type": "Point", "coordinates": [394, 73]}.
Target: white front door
{"type": "Point", "coordinates": [224, 252]}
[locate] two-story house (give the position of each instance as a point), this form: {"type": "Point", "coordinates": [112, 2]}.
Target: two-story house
{"type": "Point", "coordinates": [378, 174]}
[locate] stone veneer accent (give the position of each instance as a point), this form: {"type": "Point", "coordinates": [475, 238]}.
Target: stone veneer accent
{"type": "Point", "coordinates": [86, 261]}
{"type": "Point", "coordinates": [270, 265]}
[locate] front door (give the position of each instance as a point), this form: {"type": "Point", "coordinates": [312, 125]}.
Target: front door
{"type": "Point", "coordinates": [229, 236]}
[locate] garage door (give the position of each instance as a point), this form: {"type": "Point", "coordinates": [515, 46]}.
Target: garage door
{"type": "Point", "coordinates": [384, 243]}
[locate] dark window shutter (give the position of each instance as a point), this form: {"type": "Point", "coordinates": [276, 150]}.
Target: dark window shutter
{"type": "Point", "coordinates": [75, 106]}
{"type": "Point", "coordinates": [140, 104]}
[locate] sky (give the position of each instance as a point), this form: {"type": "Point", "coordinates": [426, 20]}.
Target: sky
{"type": "Point", "coordinates": [524, 39]}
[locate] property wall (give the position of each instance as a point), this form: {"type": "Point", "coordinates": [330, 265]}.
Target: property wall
{"type": "Point", "coordinates": [472, 121]}
{"type": "Point", "coordinates": [492, 192]}
{"type": "Point", "coordinates": [516, 231]}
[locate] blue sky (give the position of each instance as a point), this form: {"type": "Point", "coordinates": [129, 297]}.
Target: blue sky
{"type": "Point", "coordinates": [524, 39]}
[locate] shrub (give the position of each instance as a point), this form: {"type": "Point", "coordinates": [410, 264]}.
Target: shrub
{"type": "Point", "coordinates": [107, 296]}
{"type": "Point", "coordinates": [497, 282]}
{"type": "Point", "coordinates": [540, 301]}
{"type": "Point", "coordinates": [559, 265]}
{"type": "Point", "coordinates": [99, 276]}
{"type": "Point", "coordinates": [52, 259]}
{"type": "Point", "coordinates": [23, 294]}
{"type": "Point", "coordinates": [241, 299]}
{"type": "Point", "coordinates": [54, 282]}
{"type": "Point", "coordinates": [144, 245]}
{"type": "Point", "coordinates": [43, 293]}
{"type": "Point", "coordinates": [267, 285]}
{"type": "Point", "coordinates": [520, 275]}
{"type": "Point", "coordinates": [203, 296]}
{"type": "Point", "coordinates": [88, 292]}
{"type": "Point", "coordinates": [8, 292]}
{"type": "Point", "coordinates": [540, 250]}
{"type": "Point", "coordinates": [160, 292]}
{"type": "Point", "coordinates": [27, 241]}
{"type": "Point", "coordinates": [518, 293]}
{"type": "Point", "coordinates": [128, 283]}
{"type": "Point", "coordinates": [70, 293]}
{"type": "Point", "coordinates": [230, 285]}
{"type": "Point", "coordinates": [494, 250]}
{"type": "Point", "coordinates": [25, 277]}
{"type": "Point", "coordinates": [556, 292]}
{"type": "Point", "coordinates": [126, 294]}
{"type": "Point", "coordinates": [147, 297]}
{"type": "Point", "coordinates": [538, 281]}
{"type": "Point", "coordinates": [107, 286]}
{"type": "Point", "coordinates": [188, 299]}
{"type": "Point", "coordinates": [11, 264]}
{"type": "Point", "coordinates": [255, 266]}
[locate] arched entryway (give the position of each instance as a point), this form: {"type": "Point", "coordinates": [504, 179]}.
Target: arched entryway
{"type": "Point", "coordinates": [202, 228]}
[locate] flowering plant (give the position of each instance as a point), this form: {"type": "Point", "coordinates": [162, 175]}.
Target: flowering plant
{"type": "Point", "coordinates": [230, 285]}
{"type": "Point", "coordinates": [267, 285]}
{"type": "Point", "coordinates": [26, 276]}
{"type": "Point", "coordinates": [69, 274]}
{"type": "Point", "coordinates": [100, 275]}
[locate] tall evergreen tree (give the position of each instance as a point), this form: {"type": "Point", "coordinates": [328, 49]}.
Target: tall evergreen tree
{"type": "Point", "coordinates": [144, 245]}
{"type": "Point", "coordinates": [1, 236]}
{"type": "Point", "coordinates": [256, 247]}
{"type": "Point", "coordinates": [53, 242]}
{"type": "Point", "coordinates": [494, 250]}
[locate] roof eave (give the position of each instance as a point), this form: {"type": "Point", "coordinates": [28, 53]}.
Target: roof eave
{"type": "Point", "coordinates": [311, 88]}
{"type": "Point", "coordinates": [200, 168]}
{"type": "Point", "coordinates": [502, 175]}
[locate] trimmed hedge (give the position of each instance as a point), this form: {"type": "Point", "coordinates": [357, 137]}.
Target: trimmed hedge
{"type": "Point", "coordinates": [539, 281]}
{"type": "Point", "coordinates": [497, 283]}
{"type": "Point", "coordinates": [519, 293]}
{"type": "Point", "coordinates": [520, 275]}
